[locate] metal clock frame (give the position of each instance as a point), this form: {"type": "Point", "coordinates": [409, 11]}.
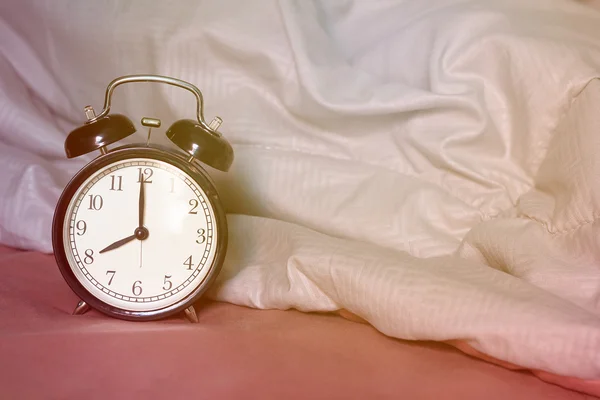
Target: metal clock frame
{"type": "Point", "coordinates": [155, 152]}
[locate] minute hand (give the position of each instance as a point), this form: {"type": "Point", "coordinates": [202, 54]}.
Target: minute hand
{"type": "Point", "coordinates": [142, 202]}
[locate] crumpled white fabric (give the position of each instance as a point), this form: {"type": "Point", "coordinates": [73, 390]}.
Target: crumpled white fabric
{"type": "Point", "coordinates": [429, 166]}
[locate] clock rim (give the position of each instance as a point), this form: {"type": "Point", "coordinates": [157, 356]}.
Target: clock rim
{"type": "Point", "coordinates": [152, 152]}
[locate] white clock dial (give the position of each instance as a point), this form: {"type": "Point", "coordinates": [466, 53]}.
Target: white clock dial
{"type": "Point", "coordinates": [140, 275]}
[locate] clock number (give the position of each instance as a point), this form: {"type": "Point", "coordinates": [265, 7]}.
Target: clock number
{"type": "Point", "coordinates": [172, 185]}
{"type": "Point", "coordinates": [81, 227]}
{"type": "Point", "coordinates": [136, 288]}
{"type": "Point", "coordinates": [89, 256]}
{"type": "Point", "coordinates": [189, 263]}
{"type": "Point", "coordinates": [145, 175]}
{"type": "Point", "coordinates": [118, 181]}
{"type": "Point", "coordinates": [167, 283]}
{"type": "Point", "coordinates": [201, 236]}
{"type": "Point", "coordinates": [111, 277]}
{"type": "Point", "coordinates": [96, 202]}
{"type": "Point", "coordinates": [194, 204]}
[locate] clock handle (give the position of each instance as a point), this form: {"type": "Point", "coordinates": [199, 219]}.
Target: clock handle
{"type": "Point", "coordinates": [157, 79]}
{"type": "Point", "coordinates": [199, 140]}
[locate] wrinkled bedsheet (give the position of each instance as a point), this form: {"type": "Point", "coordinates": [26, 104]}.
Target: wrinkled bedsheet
{"type": "Point", "coordinates": [429, 167]}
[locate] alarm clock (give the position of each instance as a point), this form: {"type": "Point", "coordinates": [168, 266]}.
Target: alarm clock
{"type": "Point", "coordinates": [139, 233]}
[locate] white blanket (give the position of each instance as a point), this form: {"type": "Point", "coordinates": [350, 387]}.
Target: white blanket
{"type": "Point", "coordinates": [430, 166]}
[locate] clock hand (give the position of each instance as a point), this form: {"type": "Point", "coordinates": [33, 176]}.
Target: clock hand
{"type": "Point", "coordinates": [142, 202]}
{"type": "Point", "coordinates": [119, 243]}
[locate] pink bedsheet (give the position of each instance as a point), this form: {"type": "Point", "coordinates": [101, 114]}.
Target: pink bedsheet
{"type": "Point", "coordinates": [233, 353]}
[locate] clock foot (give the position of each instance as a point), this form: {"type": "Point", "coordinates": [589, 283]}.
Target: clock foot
{"type": "Point", "coordinates": [82, 308]}
{"type": "Point", "coordinates": [190, 314]}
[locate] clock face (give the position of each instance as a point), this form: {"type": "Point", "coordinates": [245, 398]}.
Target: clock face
{"type": "Point", "coordinates": [140, 234]}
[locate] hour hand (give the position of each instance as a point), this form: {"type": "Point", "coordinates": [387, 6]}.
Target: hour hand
{"type": "Point", "coordinates": [118, 243]}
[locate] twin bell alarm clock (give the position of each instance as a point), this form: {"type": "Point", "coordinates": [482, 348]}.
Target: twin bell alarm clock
{"type": "Point", "coordinates": [139, 233]}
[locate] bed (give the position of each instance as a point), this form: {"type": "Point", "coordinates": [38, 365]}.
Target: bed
{"type": "Point", "coordinates": [233, 353]}
{"type": "Point", "coordinates": [412, 208]}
